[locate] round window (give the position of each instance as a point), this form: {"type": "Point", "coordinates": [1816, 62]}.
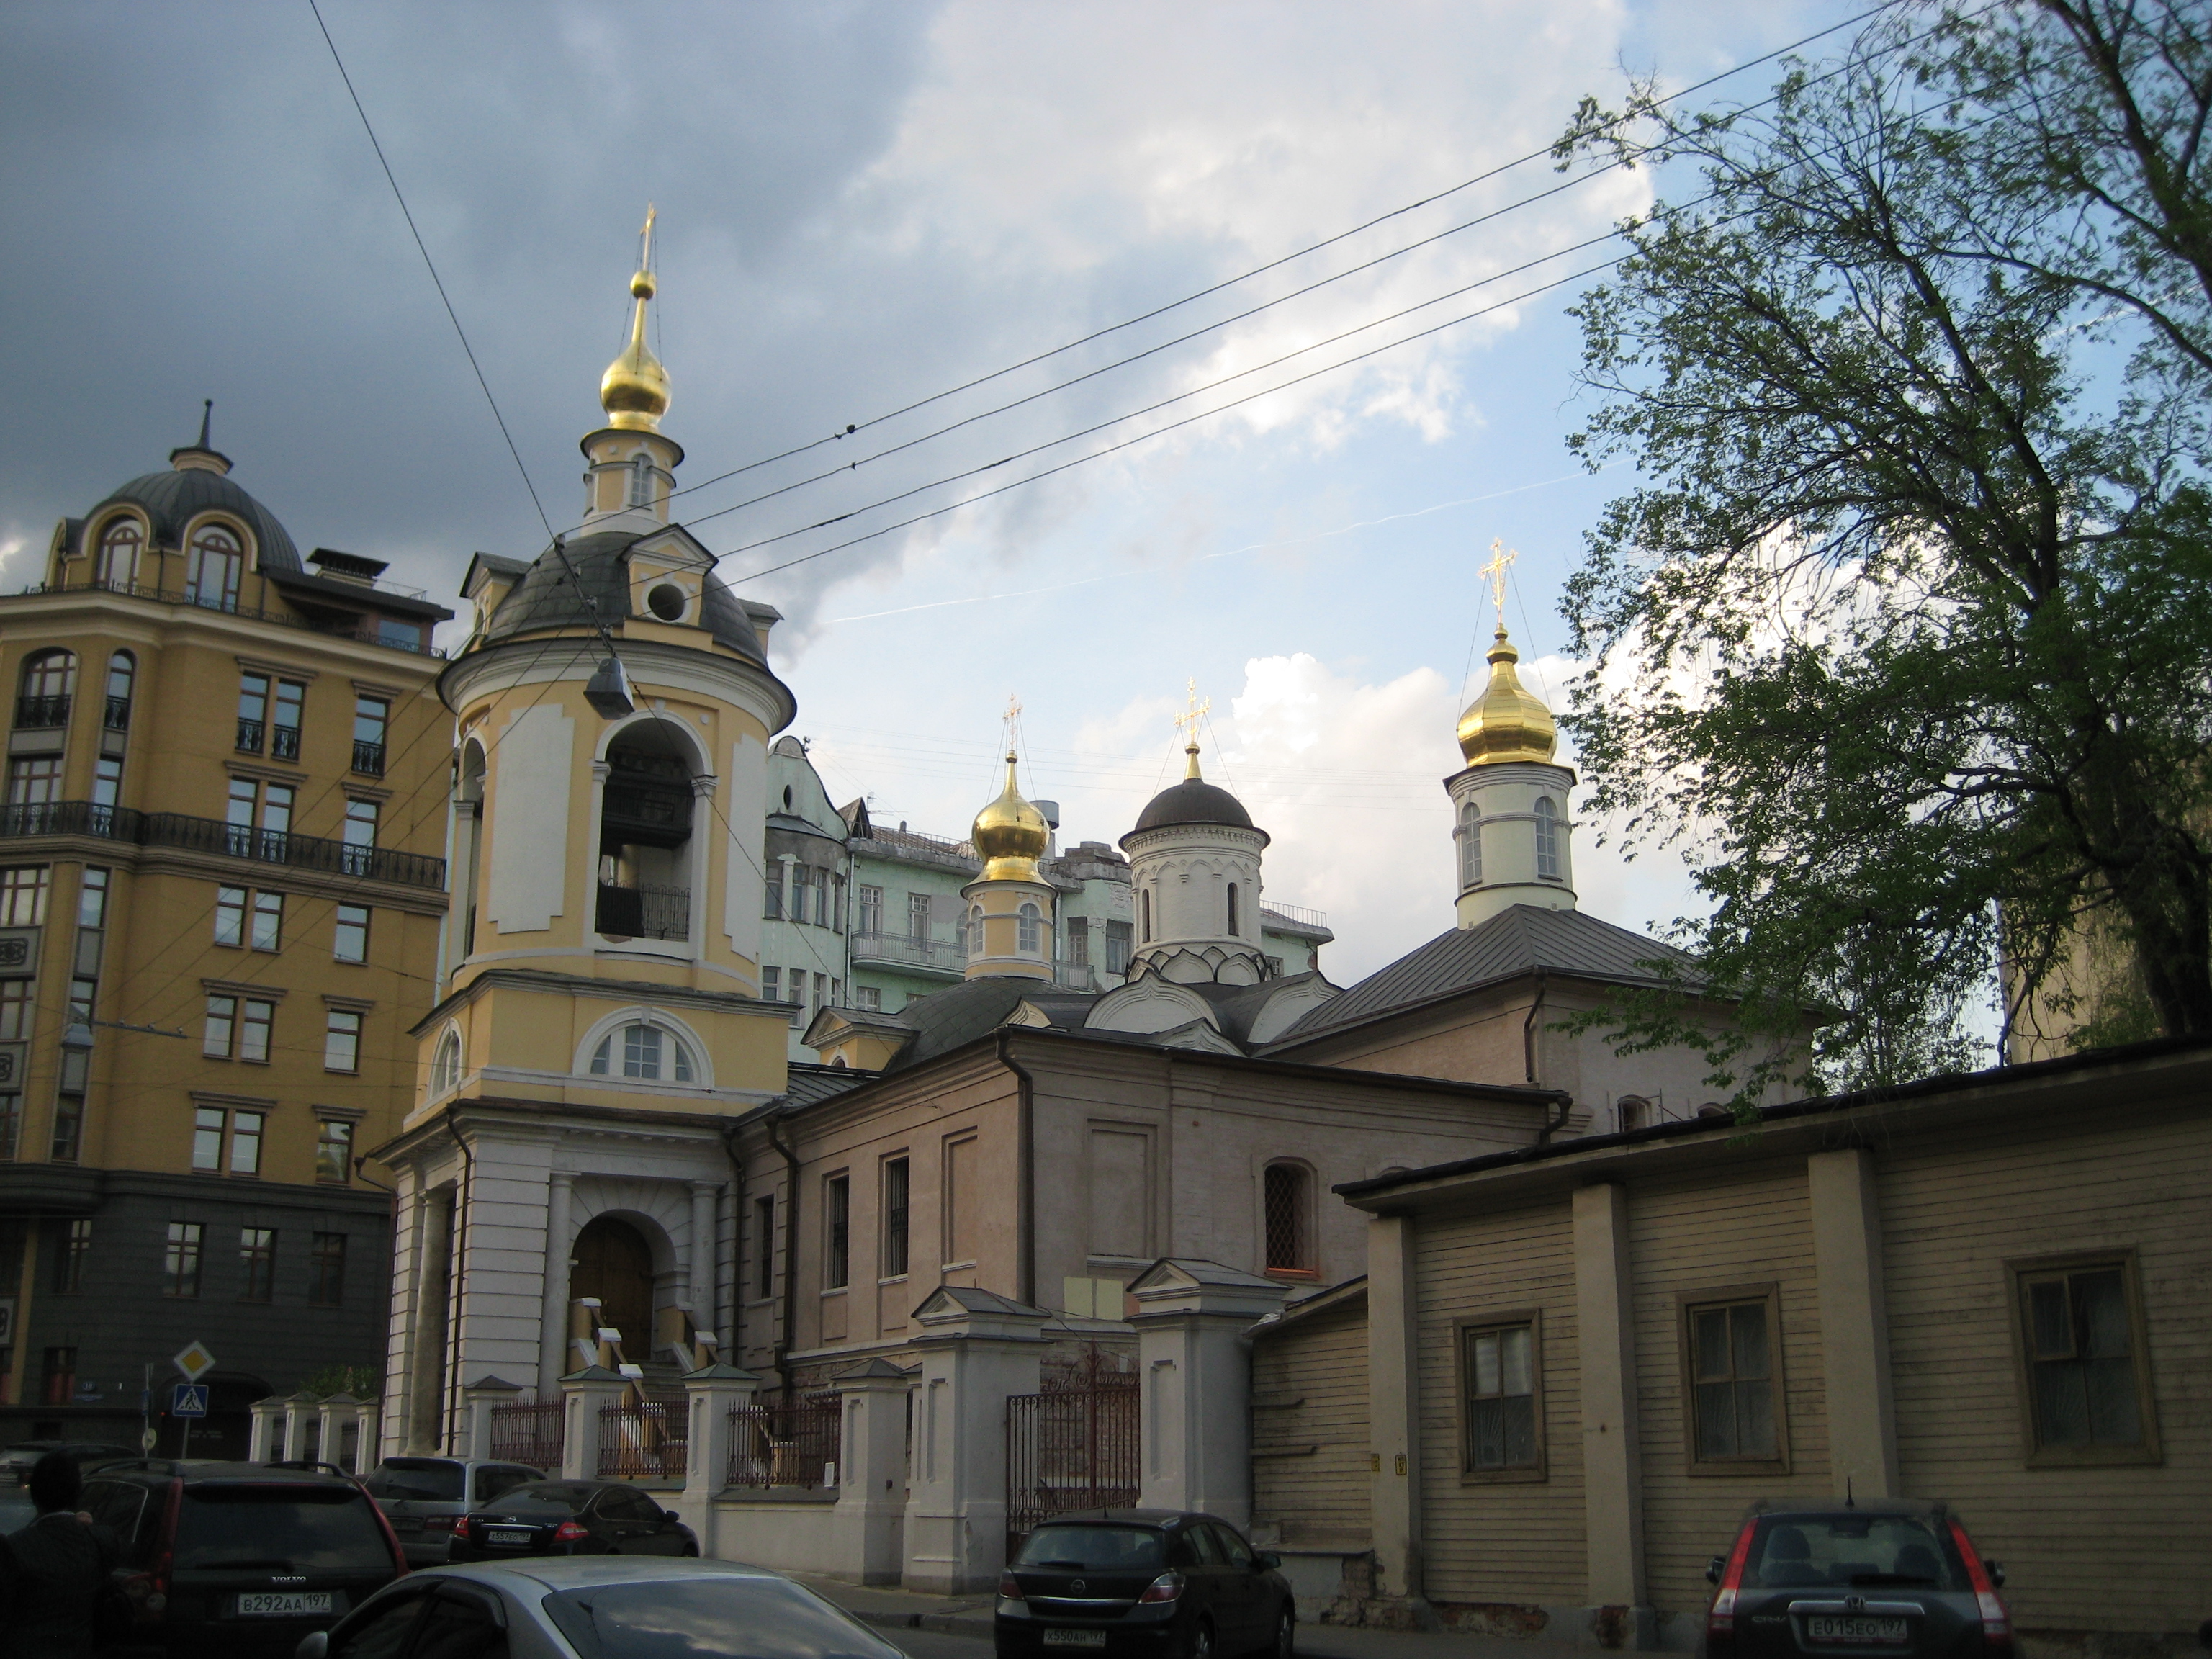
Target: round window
{"type": "Point", "coordinates": [666, 602]}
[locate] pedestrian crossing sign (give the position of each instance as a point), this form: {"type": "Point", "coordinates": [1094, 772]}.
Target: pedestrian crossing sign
{"type": "Point", "coordinates": [189, 1399]}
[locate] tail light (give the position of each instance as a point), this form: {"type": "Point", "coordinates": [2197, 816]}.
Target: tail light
{"type": "Point", "coordinates": [441, 1522]}
{"type": "Point", "coordinates": [1996, 1621]}
{"type": "Point", "coordinates": [1010, 1587]}
{"type": "Point", "coordinates": [1168, 1587]}
{"type": "Point", "coordinates": [570, 1532]}
{"type": "Point", "coordinates": [1720, 1622]}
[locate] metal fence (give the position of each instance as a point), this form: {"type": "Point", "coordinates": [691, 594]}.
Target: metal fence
{"type": "Point", "coordinates": [790, 1446]}
{"type": "Point", "coordinates": [1074, 1446]}
{"type": "Point", "coordinates": [644, 1442]}
{"type": "Point", "coordinates": [645, 912]}
{"type": "Point", "coordinates": [529, 1431]}
{"type": "Point", "coordinates": [237, 840]}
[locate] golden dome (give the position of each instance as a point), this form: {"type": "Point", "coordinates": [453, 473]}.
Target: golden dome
{"type": "Point", "coordinates": [634, 389]}
{"type": "Point", "coordinates": [1011, 836]}
{"type": "Point", "coordinates": [1506, 722]}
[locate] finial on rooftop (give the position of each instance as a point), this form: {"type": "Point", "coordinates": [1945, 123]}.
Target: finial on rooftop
{"type": "Point", "coordinates": [201, 456]}
{"type": "Point", "coordinates": [634, 389]}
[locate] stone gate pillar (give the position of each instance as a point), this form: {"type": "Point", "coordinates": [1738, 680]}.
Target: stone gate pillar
{"type": "Point", "coordinates": [977, 1348]}
{"type": "Point", "coordinates": [871, 1497]}
{"type": "Point", "coordinates": [712, 1393]}
{"type": "Point", "coordinates": [268, 1427]}
{"type": "Point", "coordinates": [582, 1394]}
{"type": "Point", "coordinates": [1195, 1367]}
{"type": "Point", "coordinates": [477, 1399]}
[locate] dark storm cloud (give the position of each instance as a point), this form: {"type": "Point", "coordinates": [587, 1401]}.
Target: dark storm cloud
{"type": "Point", "coordinates": [193, 210]}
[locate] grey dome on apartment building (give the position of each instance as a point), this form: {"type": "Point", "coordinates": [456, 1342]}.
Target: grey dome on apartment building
{"type": "Point", "coordinates": [591, 586]}
{"type": "Point", "coordinates": [172, 500]}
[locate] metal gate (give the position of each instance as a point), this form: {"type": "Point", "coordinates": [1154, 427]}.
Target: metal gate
{"type": "Point", "coordinates": [1072, 1447]}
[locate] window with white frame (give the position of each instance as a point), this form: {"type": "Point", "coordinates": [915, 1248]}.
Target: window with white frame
{"type": "Point", "coordinates": [1547, 840]}
{"type": "Point", "coordinates": [1470, 845]}
{"type": "Point", "coordinates": [644, 1052]}
{"type": "Point", "coordinates": [445, 1064]}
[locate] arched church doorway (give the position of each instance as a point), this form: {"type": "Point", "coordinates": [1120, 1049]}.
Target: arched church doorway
{"type": "Point", "coordinates": [614, 1263]}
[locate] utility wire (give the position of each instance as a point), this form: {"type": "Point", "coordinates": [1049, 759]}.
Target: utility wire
{"type": "Point", "coordinates": [1262, 270]}
{"type": "Point", "coordinates": [452, 315]}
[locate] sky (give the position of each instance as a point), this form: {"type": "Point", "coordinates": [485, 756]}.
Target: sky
{"type": "Point", "coordinates": [860, 208]}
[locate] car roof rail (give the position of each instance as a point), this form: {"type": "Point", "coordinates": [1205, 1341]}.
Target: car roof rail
{"type": "Point", "coordinates": [158, 1465]}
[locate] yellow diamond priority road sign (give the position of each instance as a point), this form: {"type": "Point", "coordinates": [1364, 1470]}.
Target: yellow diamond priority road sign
{"type": "Point", "coordinates": [195, 1361]}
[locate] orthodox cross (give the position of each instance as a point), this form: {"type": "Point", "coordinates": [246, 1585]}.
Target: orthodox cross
{"type": "Point", "coordinates": [645, 253]}
{"type": "Point", "coordinates": [1501, 560]}
{"type": "Point", "coordinates": [1012, 719]}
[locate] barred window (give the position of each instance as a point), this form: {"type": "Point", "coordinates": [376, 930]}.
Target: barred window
{"type": "Point", "coordinates": [1287, 1192]}
{"type": "Point", "coordinates": [837, 1215]}
{"type": "Point", "coordinates": [896, 1188]}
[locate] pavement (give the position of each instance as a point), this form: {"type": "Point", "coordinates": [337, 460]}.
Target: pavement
{"type": "Point", "coordinates": [896, 1610]}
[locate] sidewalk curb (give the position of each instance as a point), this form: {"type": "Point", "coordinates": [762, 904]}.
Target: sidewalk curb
{"type": "Point", "coordinates": [976, 1624]}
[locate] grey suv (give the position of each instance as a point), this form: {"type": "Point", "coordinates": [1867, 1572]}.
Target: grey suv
{"type": "Point", "coordinates": [423, 1498]}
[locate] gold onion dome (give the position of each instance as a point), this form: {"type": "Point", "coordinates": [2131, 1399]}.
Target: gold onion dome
{"type": "Point", "coordinates": [1507, 722]}
{"type": "Point", "coordinates": [1009, 835]}
{"type": "Point", "coordinates": [634, 389]}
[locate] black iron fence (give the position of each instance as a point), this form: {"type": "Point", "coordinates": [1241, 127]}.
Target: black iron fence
{"type": "Point", "coordinates": [645, 912]}
{"type": "Point", "coordinates": [647, 1441]}
{"type": "Point", "coordinates": [1074, 1446]}
{"type": "Point", "coordinates": [790, 1446]}
{"type": "Point", "coordinates": [238, 840]}
{"type": "Point", "coordinates": [531, 1431]}
{"type": "Point", "coordinates": [41, 712]}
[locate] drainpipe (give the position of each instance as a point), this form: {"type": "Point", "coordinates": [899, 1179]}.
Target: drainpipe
{"type": "Point", "coordinates": [784, 1338]}
{"type": "Point", "coordinates": [728, 1328]}
{"type": "Point", "coordinates": [458, 1298]}
{"type": "Point", "coordinates": [1025, 1175]}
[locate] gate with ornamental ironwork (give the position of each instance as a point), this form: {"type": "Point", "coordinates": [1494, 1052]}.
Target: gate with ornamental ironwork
{"type": "Point", "coordinates": [1074, 1446]}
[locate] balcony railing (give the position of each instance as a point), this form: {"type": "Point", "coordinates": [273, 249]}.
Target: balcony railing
{"type": "Point", "coordinates": [365, 630]}
{"type": "Point", "coordinates": [368, 758]}
{"type": "Point", "coordinates": [1073, 976]}
{"type": "Point", "coordinates": [249, 736]}
{"type": "Point", "coordinates": [1297, 913]}
{"type": "Point", "coordinates": [284, 742]}
{"type": "Point", "coordinates": [41, 713]}
{"type": "Point", "coordinates": [645, 912]}
{"type": "Point", "coordinates": [904, 951]}
{"type": "Point", "coordinates": [238, 840]}
{"type": "Point", "coordinates": [117, 716]}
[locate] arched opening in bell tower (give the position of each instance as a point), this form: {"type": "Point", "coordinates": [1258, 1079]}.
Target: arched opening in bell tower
{"type": "Point", "coordinates": [645, 809]}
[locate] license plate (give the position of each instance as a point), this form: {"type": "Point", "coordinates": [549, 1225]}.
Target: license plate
{"type": "Point", "coordinates": [282, 1604]}
{"type": "Point", "coordinates": [500, 1535]}
{"type": "Point", "coordinates": [1075, 1638]}
{"type": "Point", "coordinates": [1827, 1627]}
{"type": "Point", "coordinates": [407, 1523]}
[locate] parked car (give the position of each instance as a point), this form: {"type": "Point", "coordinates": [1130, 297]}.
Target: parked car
{"type": "Point", "coordinates": [15, 1463]}
{"type": "Point", "coordinates": [425, 1497]}
{"type": "Point", "coordinates": [571, 1517]}
{"type": "Point", "coordinates": [1895, 1577]}
{"type": "Point", "coordinates": [596, 1608]}
{"type": "Point", "coordinates": [238, 1560]}
{"type": "Point", "coordinates": [1143, 1585]}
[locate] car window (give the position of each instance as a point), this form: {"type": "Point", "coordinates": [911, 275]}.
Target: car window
{"type": "Point", "coordinates": [1203, 1545]}
{"type": "Point", "coordinates": [307, 1529]}
{"type": "Point", "coordinates": [685, 1617]}
{"type": "Point", "coordinates": [1903, 1550]}
{"type": "Point", "coordinates": [460, 1627]}
{"type": "Point", "coordinates": [1092, 1549]}
{"type": "Point", "coordinates": [570, 1495]}
{"type": "Point", "coordinates": [117, 1506]}
{"type": "Point", "coordinates": [380, 1630]}
{"type": "Point", "coordinates": [1233, 1548]}
{"type": "Point", "coordinates": [423, 1479]}
{"type": "Point", "coordinates": [492, 1480]}
{"type": "Point", "coordinates": [620, 1504]}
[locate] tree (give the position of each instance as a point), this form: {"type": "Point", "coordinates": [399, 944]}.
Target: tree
{"type": "Point", "coordinates": [1908, 632]}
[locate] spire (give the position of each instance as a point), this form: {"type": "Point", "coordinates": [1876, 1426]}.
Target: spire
{"type": "Point", "coordinates": [207, 415]}
{"type": "Point", "coordinates": [201, 456]}
{"type": "Point", "coordinates": [634, 389]}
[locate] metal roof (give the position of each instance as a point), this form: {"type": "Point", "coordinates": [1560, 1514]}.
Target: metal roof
{"type": "Point", "coordinates": [548, 597]}
{"type": "Point", "coordinates": [172, 499]}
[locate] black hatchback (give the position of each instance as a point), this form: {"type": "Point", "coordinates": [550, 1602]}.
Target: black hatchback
{"type": "Point", "coordinates": [1888, 1577]}
{"type": "Point", "coordinates": [236, 1560]}
{"type": "Point", "coordinates": [1143, 1585]}
{"type": "Point", "coordinates": [571, 1517]}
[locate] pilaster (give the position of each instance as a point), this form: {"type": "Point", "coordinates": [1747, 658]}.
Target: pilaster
{"type": "Point", "coordinates": [1854, 1322]}
{"type": "Point", "coordinates": [1394, 1407]}
{"type": "Point", "coordinates": [1612, 1490]}
{"type": "Point", "coordinates": [1194, 1362]}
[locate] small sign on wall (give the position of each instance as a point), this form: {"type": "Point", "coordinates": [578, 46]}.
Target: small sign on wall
{"type": "Point", "coordinates": [11, 1065]}
{"type": "Point", "coordinates": [18, 950]}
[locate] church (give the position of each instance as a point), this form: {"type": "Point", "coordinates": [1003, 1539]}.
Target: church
{"type": "Point", "coordinates": [610, 1135]}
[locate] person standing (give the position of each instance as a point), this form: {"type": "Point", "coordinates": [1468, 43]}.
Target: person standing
{"type": "Point", "coordinates": [52, 1571]}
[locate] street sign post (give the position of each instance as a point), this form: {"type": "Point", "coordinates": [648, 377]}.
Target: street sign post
{"type": "Point", "coordinates": [195, 1361]}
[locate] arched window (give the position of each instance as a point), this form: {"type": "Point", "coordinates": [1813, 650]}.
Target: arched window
{"type": "Point", "coordinates": [215, 568]}
{"type": "Point", "coordinates": [1234, 930]}
{"type": "Point", "coordinates": [50, 674]}
{"type": "Point", "coordinates": [1633, 1111]}
{"type": "Point", "coordinates": [975, 930]}
{"type": "Point", "coordinates": [1547, 839]}
{"type": "Point", "coordinates": [640, 480]}
{"type": "Point", "coordinates": [1287, 1193]}
{"type": "Point", "coordinates": [1470, 845]}
{"type": "Point", "coordinates": [1145, 903]}
{"type": "Point", "coordinates": [647, 807]}
{"type": "Point", "coordinates": [119, 543]}
{"type": "Point", "coordinates": [642, 1051]}
{"type": "Point", "coordinates": [445, 1065]}
{"type": "Point", "coordinates": [1030, 938]}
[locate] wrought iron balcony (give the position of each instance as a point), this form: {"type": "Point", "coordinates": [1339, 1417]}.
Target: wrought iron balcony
{"type": "Point", "coordinates": [284, 742]}
{"type": "Point", "coordinates": [236, 841]}
{"type": "Point", "coordinates": [41, 713]}
{"type": "Point", "coordinates": [368, 757]}
{"type": "Point", "coordinates": [645, 912]}
{"type": "Point", "coordinates": [249, 736]}
{"type": "Point", "coordinates": [904, 951]}
{"type": "Point", "coordinates": [117, 716]}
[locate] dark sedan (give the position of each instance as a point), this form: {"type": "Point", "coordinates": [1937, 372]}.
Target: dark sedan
{"type": "Point", "coordinates": [1143, 1585]}
{"type": "Point", "coordinates": [1891, 1577]}
{"type": "Point", "coordinates": [571, 1517]}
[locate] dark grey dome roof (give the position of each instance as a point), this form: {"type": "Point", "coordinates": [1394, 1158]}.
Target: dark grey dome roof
{"type": "Point", "coordinates": [599, 591]}
{"type": "Point", "coordinates": [172, 499]}
{"type": "Point", "coordinates": [1192, 801]}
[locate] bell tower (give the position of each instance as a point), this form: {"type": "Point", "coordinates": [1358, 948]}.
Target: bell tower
{"type": "Point", "coordinates": [1009, 904]}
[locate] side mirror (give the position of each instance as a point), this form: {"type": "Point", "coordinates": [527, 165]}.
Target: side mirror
{"type": "Point", "coordinates": [1714, 1568]}
{"type": "Point", "coordinates": [1269, 1561]}
{"type": "Point", "coordinates": [315, 1645]}
{"type": "Point", "coordinates": [670, 1515]}
{"type": "Point", "coordinates": [1995, 1571]}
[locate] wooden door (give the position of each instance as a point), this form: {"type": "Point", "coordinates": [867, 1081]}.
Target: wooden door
{"type": "Point", "coordinates": [614, 1264]}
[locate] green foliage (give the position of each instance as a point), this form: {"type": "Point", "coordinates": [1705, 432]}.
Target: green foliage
{"type": "Point", "coordinates": [1906, 643]}
{"type": "Point", "coordinates": [361, 1381]}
